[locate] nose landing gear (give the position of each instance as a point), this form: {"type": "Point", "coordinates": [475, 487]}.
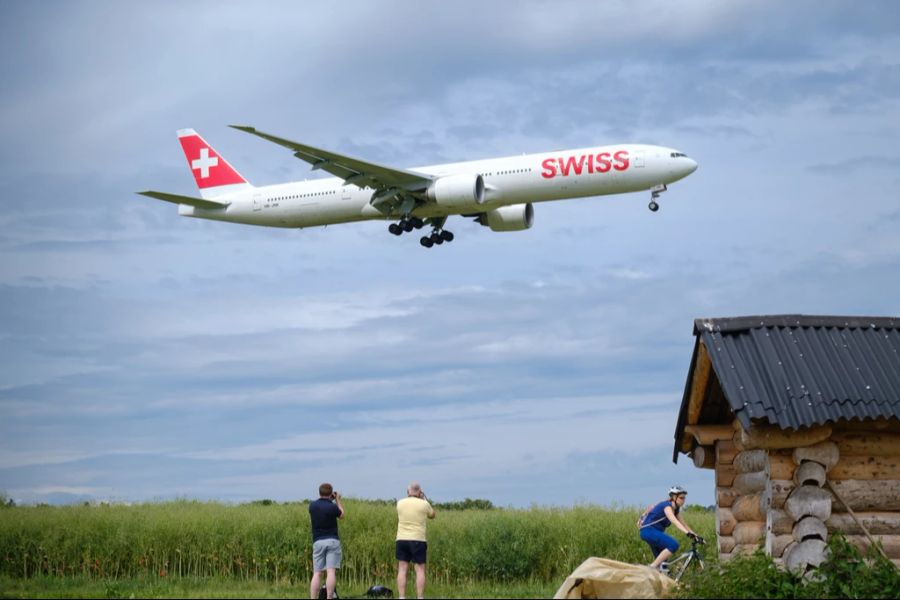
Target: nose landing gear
{"type": "Point", "coordinates": [655, 192]}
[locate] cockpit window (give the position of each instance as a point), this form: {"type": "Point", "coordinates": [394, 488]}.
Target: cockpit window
{"type": "Point", "coordinates": [677, 154]}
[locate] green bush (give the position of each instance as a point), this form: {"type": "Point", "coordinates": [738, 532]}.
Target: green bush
{"type": "Point", "coordinates": [846, 573]}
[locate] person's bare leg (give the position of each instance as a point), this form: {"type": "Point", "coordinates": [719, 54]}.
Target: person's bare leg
{"type": "Point", "coordinates": [402, 566]}
{"type": "Point", "coordinates": [663, 556]}
{"type": "Point", "coordinates": [314, 585]}
{"type": "Point", "coordinates": [330, 582]}
{"type": "Point", "coordinates": [420, 580]}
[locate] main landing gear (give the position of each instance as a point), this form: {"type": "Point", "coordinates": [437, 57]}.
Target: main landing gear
{"type": "Point", "coordinates": [437, 237]}
{"type": "Point", "coordinates": [655, 191]}
{"type": "Point", "coordinates": [406, 225]}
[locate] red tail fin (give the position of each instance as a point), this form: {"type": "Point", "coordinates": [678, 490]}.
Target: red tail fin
{"type": "Point", "coordinates": [211, 171]}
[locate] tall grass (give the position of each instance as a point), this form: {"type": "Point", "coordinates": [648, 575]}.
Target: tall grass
{"type": "Point", "coordinates": [272, 542]}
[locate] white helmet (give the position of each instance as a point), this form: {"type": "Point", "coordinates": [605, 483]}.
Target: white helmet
{"type": "Point", "coordinates": [676, 490]}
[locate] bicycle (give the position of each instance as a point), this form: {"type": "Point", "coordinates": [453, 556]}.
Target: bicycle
{"type": "Point", "coordinates": [688, 558]}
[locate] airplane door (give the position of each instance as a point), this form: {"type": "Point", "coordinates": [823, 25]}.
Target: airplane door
{"type": "Point", "coordinates": [346, 193]}
{"type": "Point", "coordinates": [638, 160]}
{"type": "Point", "coordinates": [257, 202]}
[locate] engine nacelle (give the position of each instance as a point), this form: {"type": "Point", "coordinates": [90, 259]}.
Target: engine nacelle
{"type": "Point", "coordinates": [457, 190]}
{"type": "Point", "coordinates": [515, 217]}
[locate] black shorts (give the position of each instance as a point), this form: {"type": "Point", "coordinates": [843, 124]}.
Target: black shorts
{"type": "Point", "coordinates": [411, 551]}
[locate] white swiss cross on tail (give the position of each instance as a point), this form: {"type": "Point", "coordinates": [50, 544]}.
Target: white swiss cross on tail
{"type": "Point", "coordinates": [213, 174]}
{"type": "Point", "coordinates": [204, 162]}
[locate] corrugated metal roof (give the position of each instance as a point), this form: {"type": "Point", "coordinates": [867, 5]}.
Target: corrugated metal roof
{"type": "Point", "coordinates": [799, 370]}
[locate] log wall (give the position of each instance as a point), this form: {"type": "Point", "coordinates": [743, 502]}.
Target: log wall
{"type": "Point", "coordinates": [770, 492]}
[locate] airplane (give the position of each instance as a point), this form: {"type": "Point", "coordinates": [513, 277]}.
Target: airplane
{"type": "Point", "coordinates": [498, 193]}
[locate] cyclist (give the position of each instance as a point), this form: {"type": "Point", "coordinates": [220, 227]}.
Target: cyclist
{"type": "Point", "coordinates": [657, 518]}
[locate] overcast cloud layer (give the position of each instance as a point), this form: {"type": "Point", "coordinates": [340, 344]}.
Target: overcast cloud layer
{"type": "Point", "coordinates": [146, 356]}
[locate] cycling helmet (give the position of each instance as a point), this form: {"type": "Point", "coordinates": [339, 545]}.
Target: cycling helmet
{"type": "Point", "coordinates": [675, 490]}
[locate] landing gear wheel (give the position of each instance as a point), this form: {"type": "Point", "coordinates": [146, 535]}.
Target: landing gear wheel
{"type": "Point", "coordinates": [417, 222]}
{"type": "Point", "coordinates": [406, 225]}
{"type": "Point", "coordinates": [426, 241]}
{"type": "Point", "coordinates": [395, 229]}
{"type": "Point", "coordinates": [653, 206]}
{"type": "Point", "coordinates": [439, 241]}
{"type": "Point", "coordinates": [447, 236]}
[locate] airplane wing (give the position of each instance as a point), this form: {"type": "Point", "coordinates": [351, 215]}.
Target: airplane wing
{"type": "Point", "coordinates": [189, 200]}
{"type": "Point", "coordinates": [392, 186]}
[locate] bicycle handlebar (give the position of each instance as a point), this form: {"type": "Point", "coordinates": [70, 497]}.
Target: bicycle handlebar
{"type": "Point", "coordinates": [697, 539]}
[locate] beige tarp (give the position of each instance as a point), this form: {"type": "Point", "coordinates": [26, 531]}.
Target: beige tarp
{"type": "Point", "coordinates": [604, 578]}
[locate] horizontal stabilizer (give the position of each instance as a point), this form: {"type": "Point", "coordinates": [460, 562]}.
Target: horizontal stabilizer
{"type": "Point", "coordinates": [189, 200]}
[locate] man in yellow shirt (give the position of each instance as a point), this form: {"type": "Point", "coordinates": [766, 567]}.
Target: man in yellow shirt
{"type": "Point", "coordinates": [413, 513]}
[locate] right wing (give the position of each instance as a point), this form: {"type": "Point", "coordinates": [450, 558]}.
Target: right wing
{"type": "Point", "coordinates": [393, 187]}
{"type": "Point", "coordinates": [189, 200]}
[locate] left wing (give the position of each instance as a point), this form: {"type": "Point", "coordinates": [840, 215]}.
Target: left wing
{"type": "Point", "coordinates": [393, 187]}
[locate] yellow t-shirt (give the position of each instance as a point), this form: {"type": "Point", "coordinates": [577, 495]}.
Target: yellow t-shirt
{"type": "Point", "coordinates": [413, 514]}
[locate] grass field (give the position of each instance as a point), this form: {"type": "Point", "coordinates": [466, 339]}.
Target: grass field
{"type": "Point", "coordinates": [194, 549]}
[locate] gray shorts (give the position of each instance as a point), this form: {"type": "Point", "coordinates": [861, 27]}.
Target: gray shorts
{"type": "Point", "coordinates": [326, 555]}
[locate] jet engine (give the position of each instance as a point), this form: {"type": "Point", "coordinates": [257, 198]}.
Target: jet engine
{"type": "Point", "coordinates": [457, 190]}
{"type": "Point", "coordinates": [515, 217]}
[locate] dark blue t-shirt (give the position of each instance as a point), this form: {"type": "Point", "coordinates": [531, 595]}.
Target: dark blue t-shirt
{"type": "Point", "coordinates": [657, 518]}
{"type": "Point", "coordinates": [324, 515]}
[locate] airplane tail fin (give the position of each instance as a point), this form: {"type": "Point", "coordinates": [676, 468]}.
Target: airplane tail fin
{"type": "Point", "coordinates": [214, 176]}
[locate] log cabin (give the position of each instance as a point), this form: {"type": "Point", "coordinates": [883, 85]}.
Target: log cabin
{"type": "Point", "coordinates": [799, 417]}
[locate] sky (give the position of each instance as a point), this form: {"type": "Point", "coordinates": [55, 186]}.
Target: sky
{"type": "Point", "coordinates": [145, 356]}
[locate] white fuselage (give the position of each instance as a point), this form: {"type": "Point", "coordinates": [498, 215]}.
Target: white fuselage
{"type": "Point", "coordinates": [540, 177]}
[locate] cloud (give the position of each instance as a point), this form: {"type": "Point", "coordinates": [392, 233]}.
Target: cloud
{"type": "Point", "coordinates": [218, 360]}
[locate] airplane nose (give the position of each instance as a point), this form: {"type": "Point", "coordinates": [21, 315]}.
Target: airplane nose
{"type": "Point", "coordinates": [691, 166]}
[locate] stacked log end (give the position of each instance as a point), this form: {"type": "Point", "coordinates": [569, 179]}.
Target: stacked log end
{"type": "Point", "coordinates": [751, 497]}
{"type": "Point", "coordinates": [809, 506]}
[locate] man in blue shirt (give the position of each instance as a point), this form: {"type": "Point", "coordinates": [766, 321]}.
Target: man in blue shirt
{"type": "Point", "coordinates": [323, 514]}
{"type": "Point", "coordinates": [657, 518]}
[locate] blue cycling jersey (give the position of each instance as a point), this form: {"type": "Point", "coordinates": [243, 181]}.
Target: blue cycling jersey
{"type": "Point", "coordinates": [657, 518]}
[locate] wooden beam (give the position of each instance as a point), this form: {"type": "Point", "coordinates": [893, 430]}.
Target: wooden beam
{"type": "Point", "coordinates": [868, 443]}
{"type": "Point", "coordinates": [698, 384]}
{"type": "Point", "coordinates": [707, 435]}
{"type": "Point", "coordinates": [889, 543]}
{"type": "Point", "coordinates": [867, 495]}
{"type": "Point", "coordinates": [770, 437]}
{"type": "Point", "coordinates": [866, 467]}
{"type": "Point", "coordinates": [875, 522]}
